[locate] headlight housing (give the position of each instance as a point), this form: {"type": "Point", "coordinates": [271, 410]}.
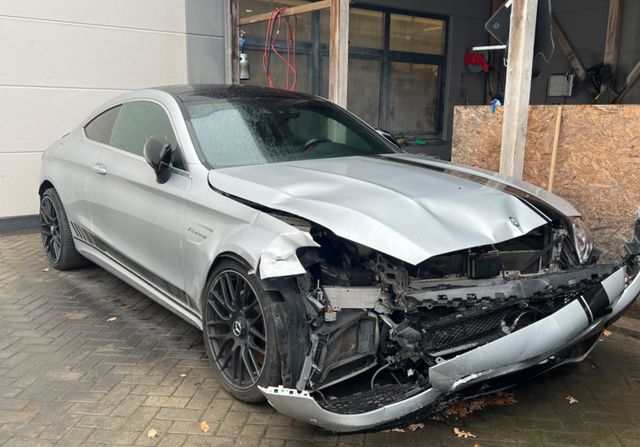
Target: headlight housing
{"type": "Point", "coordinates": [582, 239]}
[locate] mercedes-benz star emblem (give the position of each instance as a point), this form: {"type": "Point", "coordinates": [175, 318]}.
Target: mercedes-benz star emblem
{"type": "Point", "coordinates": [237, 328]}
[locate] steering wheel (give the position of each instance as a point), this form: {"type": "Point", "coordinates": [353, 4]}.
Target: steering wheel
{"type": "Point", "coordinates": [313, 143]}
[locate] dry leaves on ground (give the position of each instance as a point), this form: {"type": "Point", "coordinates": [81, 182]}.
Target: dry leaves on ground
{"type": "Point", "coordinates": [607, 333]}
{"type": "Point", "coordinates": [152, 433]}
{"type": "Point", "coordinates": [204, 426]}
{"type": "Point", "coordinates": [45, 269]}
{"type": "Point", "coordinates": [571, 399]}
{"type": "Point", "coordinates": [110, 319]}
{"type": "Point", "coordinates": [183, 375]}
{"type": "Point", "coordinates": [462, 409]}
{"type": "Point", "coordinates": [462, 434]}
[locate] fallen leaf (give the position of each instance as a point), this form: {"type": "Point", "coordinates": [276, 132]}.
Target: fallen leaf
{"type": "Point", "coordinates": [183, 375]}
{"type": "Point", "coordinates": [607, 333]}
{"type": "Point", "coordinates": [462, 409]}
{"type": "Point", "coordinates": [152, 433]}
{"type": "Point", "coordinates": [45, 269]}
{"type": "Point", "coordinates": [398, 430]}
{"type": "Point", "coordinates": [462, 434]}
{"type": "Point", "coordinates": [571, 399]}
{"type": "Point", "coordinates": [204, 426]}
{"type": "Point", "coordinates": [110, 319]}
{"type": "Point", "coordinates": [476, 444]}
{"type": "Point", "coordinates": [414, 427]}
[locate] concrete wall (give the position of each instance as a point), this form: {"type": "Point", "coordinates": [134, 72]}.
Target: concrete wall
{"type": "Point", "coordinates": [466, 29]}
{"type": "Point", "coordinates": [585, 24]}
{"type": "Point", "coordinates": [61, 59]}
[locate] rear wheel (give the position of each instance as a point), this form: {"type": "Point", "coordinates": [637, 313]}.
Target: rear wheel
{"type": "Point", "coordinates": [57, 239]}
{"type": "Point", "coordinates": [239, 333]}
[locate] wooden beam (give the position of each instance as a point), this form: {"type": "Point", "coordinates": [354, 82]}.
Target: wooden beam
{"type": "Point", "coordinates": [233, 56]}
{"type": "Point", "coordinates": [613, 34]}
{"type": "Point", "coordinates": [339, 52]}
{"type": "Point", "coordinates": [554, 148]}
{"type": "Point", "coordinates": [568, 50]}
{"type": "Point", "coordinates": [518, 86]}
{"type": "Point", "coordinates": [292, 11]}
{"type": "Point", "coordinates": [632, 78]}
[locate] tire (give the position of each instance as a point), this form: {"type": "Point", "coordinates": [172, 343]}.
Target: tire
{"type": "Point", "coordinates": [55, 231]}
{"type": "Point", "coordinates": [239, 331]}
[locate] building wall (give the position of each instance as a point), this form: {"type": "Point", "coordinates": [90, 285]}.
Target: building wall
{"type": "Point", "coordinates": [62, 59]}
{"type": "Point", "coordinates": [585, 25]}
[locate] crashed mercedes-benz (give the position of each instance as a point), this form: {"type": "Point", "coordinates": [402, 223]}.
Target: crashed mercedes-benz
{"type": "Point", "coordinates": [351, 285]}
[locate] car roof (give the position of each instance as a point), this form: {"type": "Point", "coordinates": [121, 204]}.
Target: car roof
{"type": "Point", "coordinates": [196, 92]}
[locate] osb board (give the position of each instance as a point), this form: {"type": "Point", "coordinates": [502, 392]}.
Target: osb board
{"type": "Point", "coordinates": [598, 160]}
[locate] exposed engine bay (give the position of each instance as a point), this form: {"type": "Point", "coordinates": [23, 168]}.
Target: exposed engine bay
{"type": "Point", "coordinates": [377, 325]}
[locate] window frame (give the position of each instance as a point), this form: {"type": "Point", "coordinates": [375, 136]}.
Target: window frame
{"type": "Point", "coordinates": [316, 51]}
{"type": "Point", "coordinates": [130, 154]}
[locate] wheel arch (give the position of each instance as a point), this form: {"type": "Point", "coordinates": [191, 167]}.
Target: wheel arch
{"type": "Point", "coordinates": [44, 185]}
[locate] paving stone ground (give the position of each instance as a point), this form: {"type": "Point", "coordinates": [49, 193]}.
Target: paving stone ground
{"type": "Point", "coordinates": [68, 376]}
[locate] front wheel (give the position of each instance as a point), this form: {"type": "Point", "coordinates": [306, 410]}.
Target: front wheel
{"type": "Point", "coordinates": [239, 332]}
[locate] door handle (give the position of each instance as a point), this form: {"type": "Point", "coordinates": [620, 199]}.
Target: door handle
{"type": "Point", "coordinates": [100, 169]}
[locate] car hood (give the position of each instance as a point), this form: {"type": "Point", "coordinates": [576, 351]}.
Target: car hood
{"type": "Point", "coordinates": [405, 206]}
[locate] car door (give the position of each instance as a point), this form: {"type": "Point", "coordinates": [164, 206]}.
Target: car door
{"type": "Point", "coordinates": [137, 219]}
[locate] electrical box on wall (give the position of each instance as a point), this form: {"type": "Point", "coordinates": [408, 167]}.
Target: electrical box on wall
{"type": "Point", "coordinates": [560, 85]}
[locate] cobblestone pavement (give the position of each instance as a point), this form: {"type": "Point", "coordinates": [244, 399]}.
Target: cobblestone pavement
{"type": "Point", "coordinates": [69, 376]}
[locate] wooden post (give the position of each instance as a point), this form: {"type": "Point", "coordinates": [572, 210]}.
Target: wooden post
{"type": "Point", "coordinates": [518, 86]}
{"type": "Point", "coordinates": [554, 149]}
{"type": "Point", "coordinates": [613, 38]}
{"type": "Point", "coordinates": [233, 47]}
{"type": "Point", "coordinates": [339, 52]}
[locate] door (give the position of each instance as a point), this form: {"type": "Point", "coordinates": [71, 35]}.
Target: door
{"type": "Point", "coordinates": [137, 220]}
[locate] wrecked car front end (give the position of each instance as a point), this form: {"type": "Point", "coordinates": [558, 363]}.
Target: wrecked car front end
{"type": "Point", "coordinates": [378, 328]}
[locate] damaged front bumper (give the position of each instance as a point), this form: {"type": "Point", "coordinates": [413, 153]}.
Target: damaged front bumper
{"type": "Point", "coordinates": [535, 348]}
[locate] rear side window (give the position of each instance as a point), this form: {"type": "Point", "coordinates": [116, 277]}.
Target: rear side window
{"type": "Point", "coordinates": [99, 129]}
{"type": "Point", "coordinates": [136, 122]}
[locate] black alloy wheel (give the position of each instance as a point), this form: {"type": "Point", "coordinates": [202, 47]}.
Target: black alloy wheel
{"type": "Point", "coordinates": [57, 239]}
{"type": "Point", "coordinates": [50, 230]}
{"type": "Point", "coordinates": [239, 332]}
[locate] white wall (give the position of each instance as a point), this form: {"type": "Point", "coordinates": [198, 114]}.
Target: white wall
{"type": "Point", "coordinates": [61, 59]}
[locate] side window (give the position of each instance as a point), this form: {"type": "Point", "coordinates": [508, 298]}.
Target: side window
{"type": "Point", "coordinates": [99, 129]}
{"type": "Point", "coordinates": [139, 120]}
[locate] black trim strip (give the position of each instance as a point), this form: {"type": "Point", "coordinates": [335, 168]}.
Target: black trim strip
{"type": "Point", "coordinates": [526, 198]}
{"type": "Point", "coordinates": [179, 296]}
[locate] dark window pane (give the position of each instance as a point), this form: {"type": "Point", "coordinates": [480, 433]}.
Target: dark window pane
{"type": "Point", "coordinates": [271, 130]}
{"type": "Point", "coordinates": [136, 122]}
{"type": "Point", "coordinates": [413, 97]}
{"type": "Point", "coordinates": [366, 28]}
{"type": "Point", "coordinates": [416, 34]}
{"type": "Point", "coordinates": [99, 129]}
{"type": "Point", "coordinates": [363, 89]}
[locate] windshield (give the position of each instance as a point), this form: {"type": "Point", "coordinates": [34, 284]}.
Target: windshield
{"type": "Point", "coordinates": [245, 131]}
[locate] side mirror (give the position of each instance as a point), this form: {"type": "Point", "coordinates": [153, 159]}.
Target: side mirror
{"type": "Point", "coordinates": [158, 154]}
{"type": "Point", "coordinates": [389, 136]}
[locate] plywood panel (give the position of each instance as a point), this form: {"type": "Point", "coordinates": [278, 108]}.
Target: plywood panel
{"type": "Point", "coordinates": [598, 160]}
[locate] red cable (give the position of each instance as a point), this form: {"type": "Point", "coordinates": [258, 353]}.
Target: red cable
{"type": "Point", "coordinates": [290, 63]}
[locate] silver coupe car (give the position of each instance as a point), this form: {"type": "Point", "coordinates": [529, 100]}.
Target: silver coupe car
{"type": "Point", "coordinates": [351, 285]}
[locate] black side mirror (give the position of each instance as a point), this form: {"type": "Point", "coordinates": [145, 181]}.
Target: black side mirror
{"type": "Point", "coordinates": [389, 136]}
{"type": "Point", "coordinates": [158, 154]}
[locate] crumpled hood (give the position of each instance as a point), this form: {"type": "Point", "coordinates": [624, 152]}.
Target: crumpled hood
{"type": "Point", "coordinates": [392, 204]}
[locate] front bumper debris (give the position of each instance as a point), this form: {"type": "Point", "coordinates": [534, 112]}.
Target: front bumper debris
{"type": "Point", "coordinates": [540, 346]}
